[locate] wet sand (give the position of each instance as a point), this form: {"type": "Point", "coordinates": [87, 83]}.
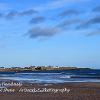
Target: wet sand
{"type": "Point", "coordinates": [78, 91]}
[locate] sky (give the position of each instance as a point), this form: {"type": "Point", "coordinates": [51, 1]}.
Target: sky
{"type": "Point", "coordinates": [50, 32]}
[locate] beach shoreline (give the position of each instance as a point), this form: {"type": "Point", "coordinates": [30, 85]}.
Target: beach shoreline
{"type": "Point", "coordinates": [77, 91]}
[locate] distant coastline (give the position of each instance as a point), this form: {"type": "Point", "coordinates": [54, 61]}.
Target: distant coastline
{"type": "Point", "coordinates": [39, 68]}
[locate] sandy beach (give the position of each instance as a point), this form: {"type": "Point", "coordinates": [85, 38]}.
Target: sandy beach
{"type": "Point", "coordinates": [78, 91]}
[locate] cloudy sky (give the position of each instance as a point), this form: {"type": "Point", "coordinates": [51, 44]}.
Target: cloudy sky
{"type": "Point", "coordinates": [50, 32]}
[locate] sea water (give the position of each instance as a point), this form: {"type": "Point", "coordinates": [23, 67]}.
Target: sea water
{"type": "Point", "coordinates": [52, 76]}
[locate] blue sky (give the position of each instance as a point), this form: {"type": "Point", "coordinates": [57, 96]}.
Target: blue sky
{"type": "Point", "coordinates": [50, 32]}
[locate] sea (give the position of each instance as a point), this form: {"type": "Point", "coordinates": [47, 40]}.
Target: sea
{"type": "Point", "coordinates": [54, 76]}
